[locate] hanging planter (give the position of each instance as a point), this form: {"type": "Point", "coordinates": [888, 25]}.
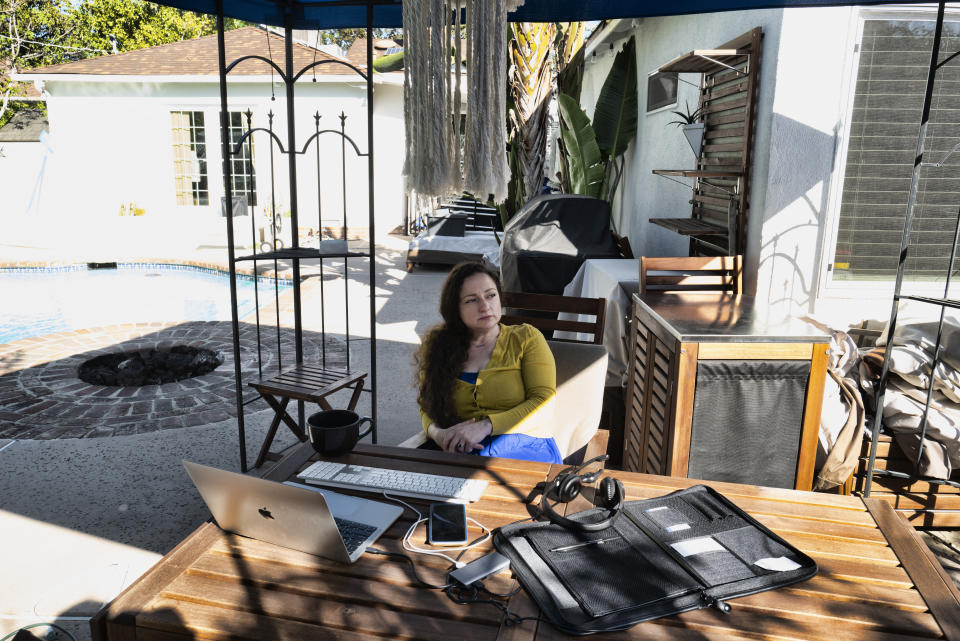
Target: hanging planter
{"type": "Point", "coordinates": [694, 135]}
{"type": "Point", "coordinates": [689, 122]}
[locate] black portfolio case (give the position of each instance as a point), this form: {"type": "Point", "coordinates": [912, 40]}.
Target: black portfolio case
{"type": "Point", "coordinates": [686, 550]}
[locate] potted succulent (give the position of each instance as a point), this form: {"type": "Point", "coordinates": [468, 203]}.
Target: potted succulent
{"type": "Point", "coordinates": [692, 127]}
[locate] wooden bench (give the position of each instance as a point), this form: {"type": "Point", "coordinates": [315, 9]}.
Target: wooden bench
{"type": "Point", "coordinates": [921, 503]}
{"type": "Point", "coordinates": [303, 383]}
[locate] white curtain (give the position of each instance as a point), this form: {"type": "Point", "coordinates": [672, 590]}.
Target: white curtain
{"type": "Point", "coordinates": [432, 32]}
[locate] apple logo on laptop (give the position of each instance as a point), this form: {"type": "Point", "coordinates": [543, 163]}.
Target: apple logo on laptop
{"type": "Point", "coordinates": [265, 513]}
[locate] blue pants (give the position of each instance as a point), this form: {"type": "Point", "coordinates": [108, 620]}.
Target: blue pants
{"type": "Point", "coordinates": [522, 447]}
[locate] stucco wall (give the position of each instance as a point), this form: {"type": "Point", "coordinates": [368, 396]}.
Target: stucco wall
{"type": "Point", "coordinates": [113, 146]}
{"type": "Point", "coordinates": [800, 107]}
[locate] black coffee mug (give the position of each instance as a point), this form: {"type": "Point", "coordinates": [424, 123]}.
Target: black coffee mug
{"type": "Point", "coordinates": [335, 432]}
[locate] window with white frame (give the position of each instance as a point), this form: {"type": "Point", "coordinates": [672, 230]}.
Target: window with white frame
{"type": "Point", "coordinates": [190, 158]}
{"type": "Point", "coordinates": [241, 164]}
{"type": "Point", "coordinates": [885, 120]}
{"type": "Point", "coordinates": [661, 90]}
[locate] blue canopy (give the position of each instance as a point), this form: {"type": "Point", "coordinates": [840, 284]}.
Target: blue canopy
{"type": "Point", "coordinates": [339, 14]}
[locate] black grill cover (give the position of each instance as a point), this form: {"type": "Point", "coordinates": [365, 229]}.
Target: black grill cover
{"type": "Point", "coordinates": [545, 242]}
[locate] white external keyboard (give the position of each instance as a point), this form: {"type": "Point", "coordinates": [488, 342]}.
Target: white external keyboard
{"type": "Point", "coordinates": [414, 484]}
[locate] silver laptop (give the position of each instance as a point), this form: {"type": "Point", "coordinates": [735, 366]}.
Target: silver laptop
{"type": "Point", "coordinates": [321, 522]}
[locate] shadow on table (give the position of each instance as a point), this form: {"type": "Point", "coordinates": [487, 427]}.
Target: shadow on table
{"type": "Point", "coordinates": [163, 620]}
{"type": "Point", "coordinates": [73, 623]}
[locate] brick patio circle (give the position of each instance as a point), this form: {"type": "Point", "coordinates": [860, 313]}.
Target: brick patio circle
{"type": "Point", "coordinates": [42, 398]}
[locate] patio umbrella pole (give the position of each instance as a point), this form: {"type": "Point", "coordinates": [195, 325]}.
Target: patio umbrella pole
{"type": "Point", "coordinates": [227, 192]}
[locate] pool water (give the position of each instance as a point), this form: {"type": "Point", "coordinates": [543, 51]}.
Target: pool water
{"type": "Point", "coordinates": [39, 302]}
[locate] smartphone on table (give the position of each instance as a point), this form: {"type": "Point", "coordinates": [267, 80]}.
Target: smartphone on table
{"type": "Point", "coordinates": [447, 525]}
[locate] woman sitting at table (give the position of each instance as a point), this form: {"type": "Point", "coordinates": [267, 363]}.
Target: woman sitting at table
{"type": "Point", "coordinates": [486, 388]}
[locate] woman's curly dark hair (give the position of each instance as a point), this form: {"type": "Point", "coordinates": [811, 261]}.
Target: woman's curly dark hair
{"type": "Point", "coordinates": [444, 349]}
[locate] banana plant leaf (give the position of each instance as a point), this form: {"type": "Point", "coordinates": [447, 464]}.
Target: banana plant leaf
{"type": "Point", "coordinates": [615, 118]}
{"type": "Point", "coordinates": [515, 188]}
{"type": "Point", "coordinates": [585, 166]}
{"type": "Point", "coordinates": [569, 47]}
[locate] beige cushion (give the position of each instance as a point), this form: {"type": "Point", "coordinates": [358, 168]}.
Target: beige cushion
{"type": "Point", "coordinates": [581, 374]}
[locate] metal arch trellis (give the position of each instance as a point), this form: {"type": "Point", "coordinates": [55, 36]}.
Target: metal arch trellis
{"type": "Point", "coordinates": [326, 249]}
{"type": "Point", "coordinates": [344, 138]}
{"type": "Point", "coordinates": [237, 148]}
{"type": "Point", "coordinates": [285, 77]}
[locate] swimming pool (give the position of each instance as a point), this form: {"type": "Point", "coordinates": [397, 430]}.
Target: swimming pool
{"type": "Point", "coordinates": [35, 302]}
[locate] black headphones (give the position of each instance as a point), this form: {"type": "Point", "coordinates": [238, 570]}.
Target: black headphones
{"type": "Point", "coordinates": [566, 486]}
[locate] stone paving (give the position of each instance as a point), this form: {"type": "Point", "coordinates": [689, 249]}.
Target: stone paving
{"type": "Point", "coordinates": [42, 398]}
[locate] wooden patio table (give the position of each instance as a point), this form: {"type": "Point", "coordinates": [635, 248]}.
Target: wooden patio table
{"type": "Point", "coordinates": [877, 579]}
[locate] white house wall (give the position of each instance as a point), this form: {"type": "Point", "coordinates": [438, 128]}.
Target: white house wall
{"type": "Point", "coordinates": [114, 147]}
{"type": "Point", "coordinates": [800, 105]}
{"type": "Point", "coordinates": [660, 145]}
{"type": "Point", "coordinates": [814, 69]}
{"type": "Point", "coordinates": [23, 172]}
{"type": "Point", "coordinates": [388, 127]}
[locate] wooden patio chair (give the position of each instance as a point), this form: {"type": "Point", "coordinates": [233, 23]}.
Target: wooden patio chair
{"type": "Point", "coordinates": [541, 310]}
{"type": "Point", "coordinates": [691, 273]}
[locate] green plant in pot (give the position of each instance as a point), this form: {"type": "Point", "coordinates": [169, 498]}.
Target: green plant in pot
{"type": "Point", "coordinates": [593, 152]}
{"type": "Point", "coordinates": [692, 125]}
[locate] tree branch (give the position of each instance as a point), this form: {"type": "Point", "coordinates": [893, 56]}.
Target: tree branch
{"type": "Point", "coordinates": [6, 100]}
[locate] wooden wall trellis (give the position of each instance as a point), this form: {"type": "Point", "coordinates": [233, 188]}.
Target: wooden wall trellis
{"type": "Point", "coordinates": [728, 105]}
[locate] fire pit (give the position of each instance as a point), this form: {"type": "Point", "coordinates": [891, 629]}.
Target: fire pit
{"type": "Point", "coordinates": [149, 366]}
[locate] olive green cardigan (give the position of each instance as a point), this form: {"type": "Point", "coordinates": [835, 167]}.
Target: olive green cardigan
{"type": "Point", "coordinates": [516, 389]}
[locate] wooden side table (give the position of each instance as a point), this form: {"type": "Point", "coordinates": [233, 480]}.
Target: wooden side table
{"type": "Point", "coordinates": [303, 383]}
{"type": "Point", "coordinates": [719, 391]}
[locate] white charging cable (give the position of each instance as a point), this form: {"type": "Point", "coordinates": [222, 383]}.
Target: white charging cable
{"type": "Point", "coordinates": [410, 547]}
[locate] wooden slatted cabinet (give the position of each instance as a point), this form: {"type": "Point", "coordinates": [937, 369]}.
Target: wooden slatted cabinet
{"type": "Point", "coordinates": [672, 337]}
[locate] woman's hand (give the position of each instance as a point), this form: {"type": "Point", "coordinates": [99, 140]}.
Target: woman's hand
{"type": "Point", "coordinates": [463, 437]}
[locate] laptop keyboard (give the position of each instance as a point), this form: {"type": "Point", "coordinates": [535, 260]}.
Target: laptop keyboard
{"type": "Point", "coordinates": [353, 533]}
{"type": "Point", "coordinates": [403, 483]}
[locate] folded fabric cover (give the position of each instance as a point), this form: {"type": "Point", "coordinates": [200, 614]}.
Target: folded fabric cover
{"type": "Point", "coordinates": [911, 366]}
{"type": "Point", "coordinates": [842, 418]}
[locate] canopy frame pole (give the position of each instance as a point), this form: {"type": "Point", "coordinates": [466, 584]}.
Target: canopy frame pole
{"type": "Point", "coordinates": [228, 195]}
{"type": "Point", "coordinates": [371, 226]}
{"type": "Point", "coordinates": [904, 247]}
{"type": "Point", "coordinates": [290, 78]}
